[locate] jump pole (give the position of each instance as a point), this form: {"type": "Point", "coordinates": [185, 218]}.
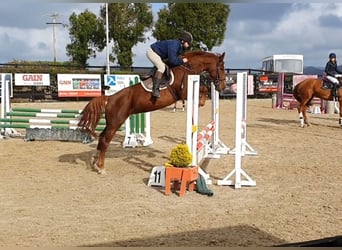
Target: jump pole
{"type": "Point", "coordinates": [238, 172]}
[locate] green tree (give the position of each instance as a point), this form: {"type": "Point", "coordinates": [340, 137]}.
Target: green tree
{"type": "Point", "coordinates": [206, 21]}
{"type": "Point", "coordinates": [87, 35]}
{"type": "Point", "coordinates": [128, 24]}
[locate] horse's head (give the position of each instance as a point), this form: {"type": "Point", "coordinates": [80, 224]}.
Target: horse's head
{"type": "Point", "coordinates": [200, 61]}
{"type": "Point", "coordinates": [218, 73]}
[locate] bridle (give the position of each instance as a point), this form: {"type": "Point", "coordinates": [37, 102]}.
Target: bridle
{"type": "Point", "coordinates": [218, 78]}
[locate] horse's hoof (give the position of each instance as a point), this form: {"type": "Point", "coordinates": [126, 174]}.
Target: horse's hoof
{"type": "Point", "coordinates": [99, 170]}
{"type": "Point", "coordinates": [102, 172]}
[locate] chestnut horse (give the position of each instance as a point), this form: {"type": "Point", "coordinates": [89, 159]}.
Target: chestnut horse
{"type": "Point", "coordinates": [135, 99]}
{"type": "Point", "coordinates": [309, 88]}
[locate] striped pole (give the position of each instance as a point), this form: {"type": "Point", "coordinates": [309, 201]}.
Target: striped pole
{"type": "Point", "coordinates": [32, 114]}
{"type": "Point", "coordinates": [37, 110]}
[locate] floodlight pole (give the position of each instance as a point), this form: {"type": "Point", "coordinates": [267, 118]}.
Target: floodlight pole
{"type": "Point", "coordinates": [54, 23]}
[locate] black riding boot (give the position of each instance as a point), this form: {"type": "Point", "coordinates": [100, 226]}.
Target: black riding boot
{"type": "Point", "coordinates": [334, 91]}
{"type": "Point", "coordinates": [156, 84]}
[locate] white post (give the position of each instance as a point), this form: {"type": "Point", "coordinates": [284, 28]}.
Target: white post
{"type": "Point", "coordinates": [6, 105]}
{"type": "Point", "coordinates": [192, 122]}
{"type": "Point", "coordinates": [239, 127]}
{"type": "Point", "coordinates": [192, 116]}
{"type": "Point", "coordinates": [148, 139]}
{"type": "Point", "coordinates": [246, 148]}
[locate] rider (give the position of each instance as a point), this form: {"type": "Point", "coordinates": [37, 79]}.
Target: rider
{"type": "Point", "coordinates": [167, 50]}
{"type": "Point", "coordinates": [331, 70]}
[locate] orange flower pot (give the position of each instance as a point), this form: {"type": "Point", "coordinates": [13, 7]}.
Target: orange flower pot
{"type": "Point", "coordinates": [186, 176]}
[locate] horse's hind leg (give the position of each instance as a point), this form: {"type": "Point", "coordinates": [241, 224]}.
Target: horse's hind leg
{"type": "Point", "coordinates": [104, 140]}
{"type": "Point", "coordinates": [340, 118]}
{"type": "Point", "coordinates": [302, 115]}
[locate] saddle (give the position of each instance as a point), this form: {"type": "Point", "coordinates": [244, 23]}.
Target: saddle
{"type": "Point", "coordinates": [333, 87]}
{"type": "Point", "coordinates": [147, 79]}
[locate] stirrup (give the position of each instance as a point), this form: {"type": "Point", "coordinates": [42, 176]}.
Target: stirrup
{"type": "Point", "coordinates": [325, 86]}
{"type": "Point", "coordinates": [156, 94]}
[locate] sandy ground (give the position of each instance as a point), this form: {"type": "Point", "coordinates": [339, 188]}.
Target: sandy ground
{"type": "Point", "coordinates": [50, 197]}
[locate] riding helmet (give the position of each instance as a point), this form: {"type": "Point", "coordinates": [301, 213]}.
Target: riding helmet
{"type": "Point", "coordinates": [332, 55]}
{"type": "Point", "coordinates": [186, 37]}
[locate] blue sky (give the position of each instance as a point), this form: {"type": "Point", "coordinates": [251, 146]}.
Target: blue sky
{"type": "Point", "coordinates": [254, 31]}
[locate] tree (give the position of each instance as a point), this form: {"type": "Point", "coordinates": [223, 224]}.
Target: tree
{"type": "Point", "coordinates": [128, 23]}
{"type": "Point", "coordinates": [87, 35]}
{"type": "Point", "coordinates": [206, 21]}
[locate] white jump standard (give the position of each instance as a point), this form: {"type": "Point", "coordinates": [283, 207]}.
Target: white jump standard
{"type": "Point", "coordinates": [239, 127]}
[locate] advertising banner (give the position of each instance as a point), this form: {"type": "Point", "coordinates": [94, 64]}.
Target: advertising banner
{"type": "Point", "coordinates": [118, 82]}
{"type": "Point", "coordinates": [31, 79]}
{"type": "Point", "coordinates": [79, 85]}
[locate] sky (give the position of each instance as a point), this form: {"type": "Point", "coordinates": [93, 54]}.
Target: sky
{"type": "Point", "coordinates": [254, 31]}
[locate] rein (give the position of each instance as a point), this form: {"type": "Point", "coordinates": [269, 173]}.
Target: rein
{"type": "Point", "coordinates": [174, 92]}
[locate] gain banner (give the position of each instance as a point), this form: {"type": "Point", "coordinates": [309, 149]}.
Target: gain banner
{"type": "Point", "coordinates": [79, 85]}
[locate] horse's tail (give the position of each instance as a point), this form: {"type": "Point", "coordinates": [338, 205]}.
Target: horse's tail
{"type": "Point", "coordinates": [91, 114]}
{"type": "Point", "coordinates": [296, 94]}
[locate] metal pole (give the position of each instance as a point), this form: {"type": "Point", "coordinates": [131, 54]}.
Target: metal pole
{"type": "Point", "coordinates": [107, 39]}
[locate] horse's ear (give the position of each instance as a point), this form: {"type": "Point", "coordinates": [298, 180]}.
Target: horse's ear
{"type": "Point", "coordinates": [222, 56]}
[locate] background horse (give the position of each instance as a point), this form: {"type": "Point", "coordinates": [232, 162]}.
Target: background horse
{"type": "Point", "coordinates": [135, 99]}
{"type": "Point", "coordinates": [183, 106]}
{"type": "Point", "coordinates": [306, 90]}
{"type": "Point", "coordinates": [203, 90]}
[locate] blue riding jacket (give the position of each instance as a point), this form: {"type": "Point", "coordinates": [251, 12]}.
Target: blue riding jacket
{"type": "Point", "coordinates": [331, 69]}
{"type": "Point", "coordinates": [169, 50]}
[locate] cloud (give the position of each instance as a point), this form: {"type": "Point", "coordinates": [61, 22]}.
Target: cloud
{"type": "Point", "coordinates": [298, 29]}
{"type": "Point", "coordinates": [330, 20]}
{"type": "Point", "coordinates": [255, 30]}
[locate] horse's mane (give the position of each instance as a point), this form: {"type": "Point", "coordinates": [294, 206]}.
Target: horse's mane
{"type": "Point", "coordinates": [192, 54]}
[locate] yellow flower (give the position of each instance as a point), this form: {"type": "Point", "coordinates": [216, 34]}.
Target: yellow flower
{"type": "Point", "coordinates": [180, 156]}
